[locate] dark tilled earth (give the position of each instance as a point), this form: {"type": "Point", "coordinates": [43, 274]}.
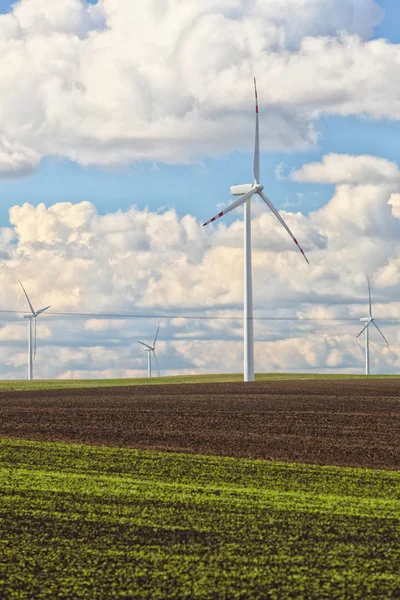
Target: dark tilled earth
{"type": "Point", "coordinates": [353, 423]}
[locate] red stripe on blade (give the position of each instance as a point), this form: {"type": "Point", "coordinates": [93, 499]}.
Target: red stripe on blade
{"type": "Point", "coordinates": [301, 250]}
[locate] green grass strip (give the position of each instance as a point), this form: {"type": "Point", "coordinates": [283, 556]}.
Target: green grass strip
{"type": "Point", "coordinates": [93, 522]}
{"type": "Point", "coordinates": [59, 384]}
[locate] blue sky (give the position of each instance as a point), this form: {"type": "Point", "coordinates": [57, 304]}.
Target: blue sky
{"type": "Point", "coordinates": [199, 188]}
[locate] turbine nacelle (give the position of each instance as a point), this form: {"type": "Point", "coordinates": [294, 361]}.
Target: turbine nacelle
{"type": "Point", "coordinates": [239, 190]}
{"type": "Point", "coordinates": [148, 348]}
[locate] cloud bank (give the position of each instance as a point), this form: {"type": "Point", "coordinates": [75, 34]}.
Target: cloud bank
{"type": "Point", "coordinates": [89, 83]}
{"type": "Point", "coordinates": [137, 261]}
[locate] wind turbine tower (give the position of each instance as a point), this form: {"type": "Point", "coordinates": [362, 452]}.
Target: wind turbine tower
{"type": "Point", "coordinates": [32, 316]}
{"type": "Point", "coordinates": [368, 320]}
{"type": "Point", "coordinates": [246, 192]}
{"type": "Point", "coordinates": [151, 350]}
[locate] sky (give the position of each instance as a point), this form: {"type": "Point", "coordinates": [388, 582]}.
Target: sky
{"type": "Point", "coordinates": [115, 147]}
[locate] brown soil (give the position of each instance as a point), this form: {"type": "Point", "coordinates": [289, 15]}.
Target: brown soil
{"type": "Point", "coordinates": [353, 423]}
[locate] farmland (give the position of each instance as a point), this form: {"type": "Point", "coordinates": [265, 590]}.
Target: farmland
{"type": "Point", "coordinates": [91, 522]}
{"type": "Point", "coordinates": [329, 422]}
{"type": "Point", "coordinates": [158, 491]}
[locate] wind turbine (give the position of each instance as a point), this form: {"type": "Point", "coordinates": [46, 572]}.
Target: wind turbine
{"type": "Point", "coordinates": [246, 192]}
{"type": "Point", "coordinates": [32, 351]}
{"type": "Point", "coordinates": [151, 350]}
{"type": "Point", "coordinates": [368, 320]}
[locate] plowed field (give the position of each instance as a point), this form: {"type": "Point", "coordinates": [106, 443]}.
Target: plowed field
{"type": "Point", "coordinates": [337, 422]}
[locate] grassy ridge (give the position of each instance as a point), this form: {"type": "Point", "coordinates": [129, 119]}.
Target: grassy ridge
{"type": "Point", "coordinates": [56, 384]}
{"type": "Point", "coordinates": [85, 522]}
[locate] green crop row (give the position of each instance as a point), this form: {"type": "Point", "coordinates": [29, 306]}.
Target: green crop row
{"type": "Point", "coordinates": [98, 523]}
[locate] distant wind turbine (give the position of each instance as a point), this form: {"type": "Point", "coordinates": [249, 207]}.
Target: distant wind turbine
{"type": "Point", "coordinates": [32, 347]}
{"type": "Point", "coordinates": [368, 320]}
{"type": "Point", "coordinates": [151, 350]}
{"type": "Point", "coordinates": [246, 192]}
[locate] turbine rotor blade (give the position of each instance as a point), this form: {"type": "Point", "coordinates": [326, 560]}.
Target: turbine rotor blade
{"type": "Point", "coordinates": [373, 322]}
{"type": "Point", "coordinates": [256, 163]}
{"type": "Point", "coordinates": [27, 297]}
{"type": "Point", "coordinates": [155, 339]}
{"type": "Point", "coordinates": [234, 205]}
{"type": "Point", "coordinates": [146, 345]}
{"type": "Point", "coordinates": [363, 329]}
{"type": "Point", "coordinates": [155, 358]}
{"type": "Point", "coordinates": [282, 222]}
{"type": "Point", "coordinates": [369, 296]}
{"type": "Point", "coordinates": [42, 310]}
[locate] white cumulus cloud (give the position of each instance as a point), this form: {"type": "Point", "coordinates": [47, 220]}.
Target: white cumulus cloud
{"type": "Point", "coordinates": [165, 80]}
{"type": "Point", "coordinates": [343, 168]}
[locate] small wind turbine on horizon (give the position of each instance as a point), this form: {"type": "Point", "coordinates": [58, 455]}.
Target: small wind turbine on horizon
{"type": "Point", "coordinates": [246, 192]}
{"type": "Point", "coordinates": [368, 320]}
{"type": "Point", "coordinates": [151, 350]}
{"type": "Point", "coordinates": [32, 349]}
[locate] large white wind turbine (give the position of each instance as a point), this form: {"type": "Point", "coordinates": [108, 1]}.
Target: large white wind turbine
{"type": "Point", "coordinates": [32, 350]}
{"type": "Point", "coordinates": [246, 192]}
{"type": "Point", "coordinates": [368, 320]}
{"type": "Point", "coordinates": [151, 350]}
